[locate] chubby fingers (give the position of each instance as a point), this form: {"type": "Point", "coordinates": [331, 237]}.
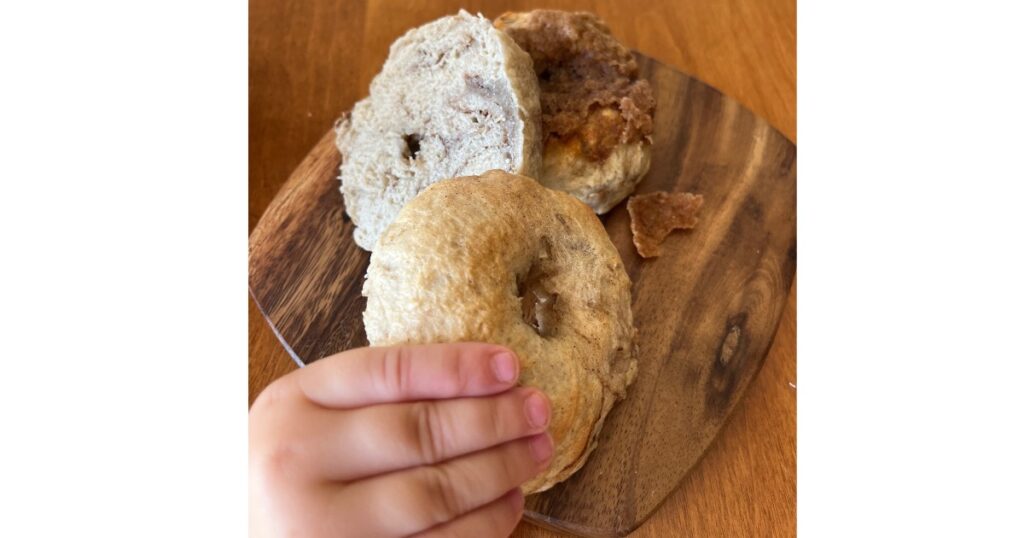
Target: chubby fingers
{"type": "Point", "coordinates": [417, 499]}
{"type": "Point", "coordinates": [496, 519]}
{"type": "Point", "coordinates": [377, 439]}
{"type": "Point", "coordinates": [375, 375]}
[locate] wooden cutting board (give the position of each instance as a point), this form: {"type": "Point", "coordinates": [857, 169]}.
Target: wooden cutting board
{"type": "Point", "coordinates": [706, 310]}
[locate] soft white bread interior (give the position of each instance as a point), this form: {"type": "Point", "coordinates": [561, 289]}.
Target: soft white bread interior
{"type": "Point", "coordinates": [455, 97]}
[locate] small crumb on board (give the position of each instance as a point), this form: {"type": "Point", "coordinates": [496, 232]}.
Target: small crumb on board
{"type": "Point", "coordinates": [654, 215]}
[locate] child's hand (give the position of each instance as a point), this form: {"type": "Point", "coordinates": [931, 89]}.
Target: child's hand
{"type": "Point", "coordinates": [426, 440]}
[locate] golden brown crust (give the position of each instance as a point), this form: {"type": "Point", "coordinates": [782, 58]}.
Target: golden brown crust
{"type": "Point", "coordinates": [654, 215]}
{"type": "Point", "coordinates": [463, 258]}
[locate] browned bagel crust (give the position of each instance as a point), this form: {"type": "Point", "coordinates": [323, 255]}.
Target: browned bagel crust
{"type": "Point", "coordinates": [499, 258]}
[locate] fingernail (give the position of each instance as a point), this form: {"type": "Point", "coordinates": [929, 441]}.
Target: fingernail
{"type": "Point", "coordinates": [537, 410]}
{"type": "Point", "coordinates": [541, 447]}
{"type": "Point", "coordinates": [505, 367]}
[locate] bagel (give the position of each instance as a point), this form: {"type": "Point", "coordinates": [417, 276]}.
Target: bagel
{"type": "Point", "coordinates": [597, 113]}
{"type": "Point", "coordinates": [499, 258]}
{"type": "Point", "coordinates": [455, 97]}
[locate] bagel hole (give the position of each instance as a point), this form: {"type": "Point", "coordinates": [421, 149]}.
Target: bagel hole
{"type": "Point", "coordinates": [537, 301]}
{"type": "Point", "coordinates": [412, 145]}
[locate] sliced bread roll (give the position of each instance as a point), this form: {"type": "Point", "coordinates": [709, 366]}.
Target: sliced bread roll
{"type": "Point", "coordinates": [456, 97]}
{"type": "Point", "coordinates": [597, 111]}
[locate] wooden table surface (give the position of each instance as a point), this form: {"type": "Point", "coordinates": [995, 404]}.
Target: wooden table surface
{"type": "Point", "coordinates": [310, 60]}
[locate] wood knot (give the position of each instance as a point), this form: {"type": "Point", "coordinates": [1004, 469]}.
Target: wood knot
{"type": "Point", "coordinates": [729, 344]}
{"type": "Point", "coordinates": [725, 371]}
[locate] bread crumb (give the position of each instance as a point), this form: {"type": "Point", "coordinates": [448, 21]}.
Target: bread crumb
{"type": "Point", "coordinates": [654, 215]}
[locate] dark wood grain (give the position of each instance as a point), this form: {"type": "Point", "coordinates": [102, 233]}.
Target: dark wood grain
{"type": "Point", "coordinates": [707, 309]}
{"type": "Point", "coordinates": [305, 272]}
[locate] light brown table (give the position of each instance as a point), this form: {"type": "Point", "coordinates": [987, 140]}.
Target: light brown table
{"type": "Point", "coordinates": [309, 60]}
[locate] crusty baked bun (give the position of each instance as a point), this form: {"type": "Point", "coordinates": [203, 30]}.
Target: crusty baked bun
{"type": "Point", "coordinates": [597, 111]}
{"type": "Point", "coordinates": [499, 258]}
{"type": "Point", "coordinates": [455, 97]}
